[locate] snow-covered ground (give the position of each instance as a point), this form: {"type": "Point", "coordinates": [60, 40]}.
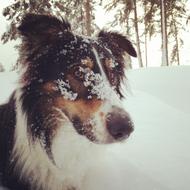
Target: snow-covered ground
{"type": "Point", "coordinates": [156, 156]}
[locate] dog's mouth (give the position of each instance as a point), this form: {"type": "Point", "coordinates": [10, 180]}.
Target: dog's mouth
{"type": "Point", "coordinates": [85, 129]}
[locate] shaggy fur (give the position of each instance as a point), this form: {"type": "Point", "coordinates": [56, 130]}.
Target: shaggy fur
{"type": "Point", "coordinates": [66, 103]}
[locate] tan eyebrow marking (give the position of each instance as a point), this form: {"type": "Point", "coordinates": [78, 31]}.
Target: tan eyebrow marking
{"type": "Point", "coordinates": [50, 87]}
{"type": "Point", "coordinates": [87, 62]}
{"type": "Point", "coordinates": [109, 63]}
{"type": "Point", "coordinates": [84, 109]}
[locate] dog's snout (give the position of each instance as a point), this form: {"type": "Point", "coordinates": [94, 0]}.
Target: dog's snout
{"type": "Point", "coordinates": [119, 124]}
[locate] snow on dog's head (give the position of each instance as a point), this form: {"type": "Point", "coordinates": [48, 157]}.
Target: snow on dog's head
{"type": "Point", "coordinates": [72, 78]}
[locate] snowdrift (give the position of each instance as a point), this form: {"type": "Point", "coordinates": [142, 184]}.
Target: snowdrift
{"type": "Point", "coordinates": [8, 82]}
{"type": "Point", "coordinates": [156, 156]}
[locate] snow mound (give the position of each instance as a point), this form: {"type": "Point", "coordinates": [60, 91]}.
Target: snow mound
{"type": "Point", "coordinates": [170, 84]}
{"type": "Point", "coordinates": [156, 156]}
{"type": "Point", "coordinates": [7, 85]}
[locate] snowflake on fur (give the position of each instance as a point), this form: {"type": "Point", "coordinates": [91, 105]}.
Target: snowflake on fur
{"type": "Point", "coordinates": [64, 88]}
{"type": "Point", "coordinates": [98, 86]}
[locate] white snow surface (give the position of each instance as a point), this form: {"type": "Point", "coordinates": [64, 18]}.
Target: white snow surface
{"type": "Point", "coordinates": [156, 156]}
{"type": "Point", "coordinates": [8, 82]}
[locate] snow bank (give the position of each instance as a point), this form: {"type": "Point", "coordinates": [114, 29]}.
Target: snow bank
{"type": "Point", "coordinates": [159, 145]}
{"type": "Point", "coordinates": [170, 84]}
{"type": "Point", "coordinates": [7, 85]}
{"type": "Point", "coordinates": [156, 156]}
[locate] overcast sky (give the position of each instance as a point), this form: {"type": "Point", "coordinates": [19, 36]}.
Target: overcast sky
{"type": "Point", "coordinates": [8, 54]}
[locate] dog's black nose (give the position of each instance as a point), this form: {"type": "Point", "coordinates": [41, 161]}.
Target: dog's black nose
{"type": "Point", "coordinates": [119, 123]}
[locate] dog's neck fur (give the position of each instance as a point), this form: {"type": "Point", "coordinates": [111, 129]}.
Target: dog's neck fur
{"type": "Point", "coordinates": [35, 167]}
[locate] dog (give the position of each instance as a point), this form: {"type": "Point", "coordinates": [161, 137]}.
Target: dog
{"type": "Point", "coordinates": [67, 103]}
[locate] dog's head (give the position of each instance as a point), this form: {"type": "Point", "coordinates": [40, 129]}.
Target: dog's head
{"type": "Point", "coordinates": [73, 78]}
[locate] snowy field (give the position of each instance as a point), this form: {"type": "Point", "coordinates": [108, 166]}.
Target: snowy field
{"type": "Point", "coordinates": [156, 156]}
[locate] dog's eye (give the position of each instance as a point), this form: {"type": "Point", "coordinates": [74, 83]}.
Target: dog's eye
{"type": "Point", "coordinates": [78, 73]}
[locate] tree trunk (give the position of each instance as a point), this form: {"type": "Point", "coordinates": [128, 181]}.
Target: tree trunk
{"type": "Point", "coordinates": [164, 33]}
{"type": "Point", "coordinates": [145, 50]}
{"type": "Point", "coordinates": [137, 35]}
{"type": "Point", "coordinates": [145, 36]}
{"type": "Point", "coordinates": [127, 12]}
{"type": "Point", "coordinates": [82, 19]}
{"type": "Point", "coordinates": [177, 44]}
{"type": "Point", "coordinates": [88, 17]}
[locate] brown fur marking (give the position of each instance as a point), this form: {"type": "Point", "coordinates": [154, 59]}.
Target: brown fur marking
{"type": "Point", "coordinates": [82, 108]}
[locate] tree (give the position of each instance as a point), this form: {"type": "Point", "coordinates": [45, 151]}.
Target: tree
{"type": "Point", "coordinates": [145, 35]}
{"type": "Point", "coordinates": [88, 9]}
{"type": "Point", "coordinates": [137, 35]}
{"type": "Point", "coordinates": [151, 24]}
{"type": "Point", "coordinates": [177, 14]}
{"type": "Point", "coordinates": [75, 11]}
{"type": "Point", "coordinates": [174, 14]}
{"type": "Point", "coordinates": [164, 33]}
{"type": "Point", "coordinates": [175, 51]}
{"type": "Point", "coordinates": [124, 18]}
{"type": "Point", "coordinates": [163, 17]}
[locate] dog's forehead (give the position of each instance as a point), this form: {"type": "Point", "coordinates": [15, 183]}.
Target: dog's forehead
{"type": "Point", "coordinates": [65, 52]}
{"type": "Point", "coordinates": [81, 47]}
{"type": "Point", "coordinates": [84, 74]}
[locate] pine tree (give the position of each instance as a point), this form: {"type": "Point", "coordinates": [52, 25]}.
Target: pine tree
{"type": "Point", "coordinates": [127, 21]}
{"type": "Point", "coordinates": [175, 14]}
{"type": "Point", "coordinates": [88, 17]}
{"type": "Point", "coordinates": [137, 35]}
{"type": "Point", "coordinates": [74, 11]}
{"type": "Point", "coordinates": [145, 35]}
{"type": "Point", "coordinates": [164, 33]}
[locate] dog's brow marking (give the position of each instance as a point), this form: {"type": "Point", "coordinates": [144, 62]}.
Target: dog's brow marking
{"type": "Point", "coordinates": [109, 92]}
{"type": "Point", "coordinates": [100, 65]}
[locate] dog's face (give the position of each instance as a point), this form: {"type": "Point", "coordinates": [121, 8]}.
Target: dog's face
{"type": "Point", "coordinates": [73, 78]}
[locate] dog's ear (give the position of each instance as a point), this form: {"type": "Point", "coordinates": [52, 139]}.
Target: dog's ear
{"type": "Point", "coordinates": [117, 43]}
{"type": "Point", "coordinates": [34, 25]}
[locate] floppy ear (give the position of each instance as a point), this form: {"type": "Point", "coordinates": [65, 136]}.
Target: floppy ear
{"type": "Point", "coordinates": [34, 25]}
{"type": "Point", "coordinates": [118, 43]}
